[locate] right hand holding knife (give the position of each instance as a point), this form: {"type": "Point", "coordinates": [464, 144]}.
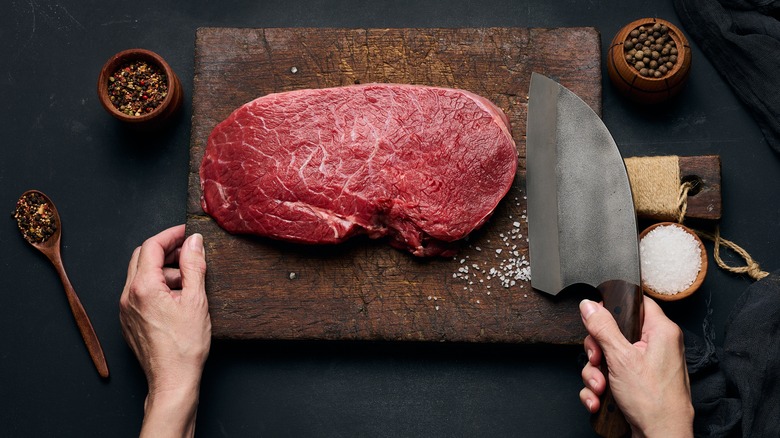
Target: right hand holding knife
{"type": "Point", "coordinates": [648, 379]}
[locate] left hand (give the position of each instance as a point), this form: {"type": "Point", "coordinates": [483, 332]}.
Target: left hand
{"type": "Point", "coordinates": [165, 320]}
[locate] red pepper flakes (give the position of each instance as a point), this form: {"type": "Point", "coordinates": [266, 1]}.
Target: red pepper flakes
{"type": "Point", "coordinates": [137, 88]}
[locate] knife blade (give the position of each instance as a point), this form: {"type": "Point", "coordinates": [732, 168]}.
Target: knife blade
{"type": "Point", "coordinates": [581, 217]}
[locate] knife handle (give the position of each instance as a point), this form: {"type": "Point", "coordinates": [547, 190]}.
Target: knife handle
{"type": "Point", "coordinates": [624, 302]}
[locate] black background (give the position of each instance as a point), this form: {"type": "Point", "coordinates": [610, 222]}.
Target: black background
{"type": "Point", "coordinates": [114, 189]}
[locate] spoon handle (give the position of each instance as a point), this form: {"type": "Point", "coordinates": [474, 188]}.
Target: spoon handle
{"type": "Point", "coordinates": [82, 320]}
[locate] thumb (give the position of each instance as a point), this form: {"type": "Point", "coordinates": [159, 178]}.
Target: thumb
{"type": "Point", "coordinates": [192, 264]}
{"type": "Point", "coordinates": [601, 325]}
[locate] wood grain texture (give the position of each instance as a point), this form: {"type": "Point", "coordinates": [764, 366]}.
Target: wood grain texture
{"type": "Point", "coordinates": [642, 89]}
{"type": "Point", "coordinates": [51, 248]}
{"type": "Point", "coordinates": [704, 201]}
{"type": "Point", "coordinates": [363, 289]}
{"type": "Point", "coordinates": [704, 197]}
{"type": "Point", "coordinates": [624, 301]}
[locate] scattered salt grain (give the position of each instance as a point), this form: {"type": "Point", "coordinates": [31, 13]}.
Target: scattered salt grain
{"type": "Point", "coordinates": [670, 259]}
{"type": "Point", "coordinates": [293, 275]}
{"type": "Point", "coordinates": [507, 267]}
{"type": "Point", "coordinates": [294, 70]}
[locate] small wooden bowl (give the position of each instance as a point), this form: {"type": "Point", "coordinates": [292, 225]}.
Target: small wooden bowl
{"type": "Point", "coordinates": [169, 106]}
{"type": "Point", "coordinates": [649, 90]}
{"type": "Point", "coordinates": [699, 278]}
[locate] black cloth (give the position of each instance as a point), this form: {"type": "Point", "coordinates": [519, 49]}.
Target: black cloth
{"type": "Point", "coordinates": [741, 38]}
{"type": "Point", "coordinates": [736, 389]}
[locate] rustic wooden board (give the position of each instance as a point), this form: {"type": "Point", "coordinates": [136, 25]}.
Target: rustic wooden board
{"type": "Point", "coordinates": [365, 290]}
{"type": "Point", "coordinates": [704, 200]}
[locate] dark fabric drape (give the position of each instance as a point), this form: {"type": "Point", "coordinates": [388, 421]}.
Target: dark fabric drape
{"type": "Point", "coordinates": [736, 389]}
{"type": "Point", "coordinates": [741, 38]}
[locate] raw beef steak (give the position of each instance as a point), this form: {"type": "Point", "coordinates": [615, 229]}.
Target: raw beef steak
{"type": "Point", "coordinates": [422, 165]}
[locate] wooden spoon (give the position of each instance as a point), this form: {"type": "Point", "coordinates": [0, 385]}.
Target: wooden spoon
{"type": "Point", "coordinates": [51, 248]}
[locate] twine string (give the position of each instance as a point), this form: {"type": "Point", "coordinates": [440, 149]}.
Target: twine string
{"type": "Point", "coordinates": [659, 193]}
{"type": "Point", "coordinates": [751, 268]}
{"type": "Point", "coordinates": [682, 200]}
{"type": "Point", "coordinates": [655, 186]}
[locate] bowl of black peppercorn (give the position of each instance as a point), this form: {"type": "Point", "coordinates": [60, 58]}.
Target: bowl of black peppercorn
{"type": "Point", "coordinates": [649, 60]}
{"type": "Point", "coordinates": [139, 88]}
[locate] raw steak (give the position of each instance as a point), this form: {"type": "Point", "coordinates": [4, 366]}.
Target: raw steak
{"type": "Point", "coordinates": [422, 165]}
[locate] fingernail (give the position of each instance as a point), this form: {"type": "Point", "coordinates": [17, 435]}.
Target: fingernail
{"type": "Point", "coordinates": [196, 242]}
{"type": "Point", "coordinates": [592, 383]}
{"type": "Point", "coordinates": [589, 403]}
{"type": "Point", "coordinates": [587, 308]}
{"type": "Point", "coordinates": [590, 353]}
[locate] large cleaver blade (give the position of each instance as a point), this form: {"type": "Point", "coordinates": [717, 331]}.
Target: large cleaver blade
{"type": "Point", "coordinates": [581, 217]}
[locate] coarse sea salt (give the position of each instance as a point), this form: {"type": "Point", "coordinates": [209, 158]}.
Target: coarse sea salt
{"type": "Point", "coordinates": [670, 259]}
{"type": "Point", "coordinates": [507, 266]}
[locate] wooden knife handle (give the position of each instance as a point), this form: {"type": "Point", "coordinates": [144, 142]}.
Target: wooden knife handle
{"type": "Point", "coordinates": [624, 302]}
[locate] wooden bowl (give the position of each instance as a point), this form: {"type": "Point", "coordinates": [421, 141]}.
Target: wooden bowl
{"type": "Point", "coordinates": [641, 89]}
{"type": "Point", "coordinates": [163, 112]}
{"type": "Point", "coordinates": [699, 278]}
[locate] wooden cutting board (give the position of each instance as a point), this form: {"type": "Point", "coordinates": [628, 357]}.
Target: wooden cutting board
{"type": "Point", "coordinates": [364, 289]}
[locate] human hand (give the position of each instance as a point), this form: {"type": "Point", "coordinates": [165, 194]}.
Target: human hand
{"type": "Point", "coordinates": [165, 321]}
{"type": "Point", "coordinates": [649, 378]}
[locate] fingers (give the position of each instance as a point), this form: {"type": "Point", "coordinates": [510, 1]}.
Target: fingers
{"type": "Point", "coordinates": [192, 264]}
{"type": "Point", "coordinates": [132, 267]}
{"type": "Point", "coordinates": [653, 313]}
{"type": "Point", "coordinates": [589, 400]}
{"type": "Point", "coordinates": [172, 278]}
{"type": "Point", "coordinates": [594, 379]}
{"type": "Point", "coordinates": [172, 257]}
{"type": "Point", "coordinates": [593, 351]}
{"type": "Point", "coordinates": [152, 256]}
{"type": "Point", "coordinates": [158, 248]}
{"type": "Point", "coordinates": [602, 327]}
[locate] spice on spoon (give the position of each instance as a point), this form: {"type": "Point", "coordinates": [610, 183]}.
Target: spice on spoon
{"type": "Point", "coordinates": [35, 218]}
{"type": "Point", "coordinates": [137, 88]}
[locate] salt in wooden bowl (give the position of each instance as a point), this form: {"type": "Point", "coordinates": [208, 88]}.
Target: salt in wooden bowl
{"type": "Point", "coordinates": [699, 277]}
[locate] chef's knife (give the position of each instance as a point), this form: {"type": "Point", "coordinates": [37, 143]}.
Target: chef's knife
{"type": "Point", "coordinates": [581, 218]}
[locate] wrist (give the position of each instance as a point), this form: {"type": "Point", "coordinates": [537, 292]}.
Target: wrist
{"type": "Point", "coordinates": [170, 412]}
{"type": "Point", "coordinates": [678, 424]}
